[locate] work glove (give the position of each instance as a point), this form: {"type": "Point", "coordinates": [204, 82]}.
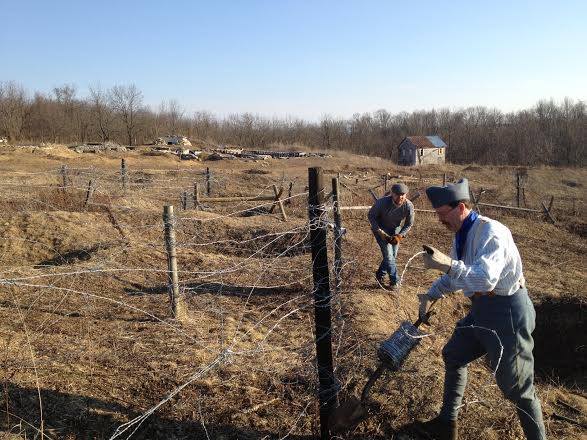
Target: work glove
{"type": "Point", "coordinates": [396, 239]}
{"type": "Point", "coordinates": [434, 259]}
{"type": "Point", "coordinates": [424, 300]}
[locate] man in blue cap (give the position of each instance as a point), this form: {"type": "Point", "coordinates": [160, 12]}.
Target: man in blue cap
{"type": "Point", "coordinates": [485, 263]}
{"type": "Point", "coordinates": [386, 217]}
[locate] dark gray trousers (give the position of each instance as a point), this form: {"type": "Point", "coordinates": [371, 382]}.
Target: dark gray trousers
{"type": "Point", "coordinates": [512, 320]}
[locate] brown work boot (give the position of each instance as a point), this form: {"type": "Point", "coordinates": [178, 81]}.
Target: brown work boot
{"type": "Point", "coordinates": [438, 429]}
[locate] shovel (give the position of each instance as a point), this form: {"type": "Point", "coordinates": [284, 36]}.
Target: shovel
{"type": "Point", "coordinates": [392, 352]}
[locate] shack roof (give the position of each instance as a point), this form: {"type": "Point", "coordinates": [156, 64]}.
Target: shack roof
{"type": "Point", "coordinates": [425, 141]}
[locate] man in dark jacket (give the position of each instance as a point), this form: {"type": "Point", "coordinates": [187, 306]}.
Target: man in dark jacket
{"type": "Point", "coordinates": [386, 217]}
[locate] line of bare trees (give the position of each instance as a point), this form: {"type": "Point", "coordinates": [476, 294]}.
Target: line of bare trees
{"type": "Point", "coordinates": [549, 133]}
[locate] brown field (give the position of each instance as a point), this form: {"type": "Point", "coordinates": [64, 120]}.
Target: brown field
{"type": "Point", "coordinates": [87, 343]}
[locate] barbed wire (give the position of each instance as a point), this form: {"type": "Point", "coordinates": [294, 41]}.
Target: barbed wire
{"type": "Point", "coordinates": [269, 262]}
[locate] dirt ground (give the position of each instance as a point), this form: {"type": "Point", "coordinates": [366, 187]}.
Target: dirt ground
{"type": "Point", "coordinates": [89, 349]}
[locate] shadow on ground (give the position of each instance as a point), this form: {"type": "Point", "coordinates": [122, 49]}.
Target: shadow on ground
{"type": "Point", "coordinates": [560, 339]}
{"type": "Point", "coordinates": [217, 288]}
{"type": "Point", "coordinates": [72, 416]}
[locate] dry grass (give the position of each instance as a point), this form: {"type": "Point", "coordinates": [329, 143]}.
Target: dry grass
{"type": "Point", "coordinates": [86, 323]}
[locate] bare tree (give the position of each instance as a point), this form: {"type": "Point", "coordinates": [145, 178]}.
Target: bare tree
{"type": "Point", "coordinates": [13, 108]}
{"type": "Point", "coordinates": [175, 115]}
{"type": "Point", "coordinates": [101, 112]}
{"type": "Point", "coordinates": [127, 101]}
{"type": "Point", "coordinates": [64, 116]}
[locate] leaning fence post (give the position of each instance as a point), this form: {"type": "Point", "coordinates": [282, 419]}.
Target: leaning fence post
{"type": "Point", "coordinates": [547, 213]}
{"type": "Point", "coordinates": [89, 193]}
{"type": "Point", "coordinates": [337, 235]}
{"type": "Point", "coordinates": [208, 178]}
{"type": "Point", "coordinates": [173, 281]}
{"type": "Point", "coordinates": [279, 202]}
{"type": "Point", "coordinates": [322, 311]}
{"type": "Point", "coordinates": [288, 201]}
{"type": "Point", "coordinates": [123, 174]}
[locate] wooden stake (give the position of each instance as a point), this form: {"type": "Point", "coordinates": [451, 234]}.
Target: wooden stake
{"type": "Point", "coordinates": [547, 212]}
{"type": "Point", "coordinates": [196, 196]}
{"type": "Point", "coordinates": [518, 189]}
{"type": "Point", "coordinates": [89, 193]}
{"type": "Point", "coordinates": [279, 202]}
{"type": "Point", "coordinates": [173, 286]}
{"type": "Point", "coordinates": [474, 199]}
{"type": "Point", "coordinates": [288, 201]}
{"type": "Point", "coordinates": [184, 200]}
{"type": "Point", "coordinates": [64, 178]}
{"type": "Point", "coordinates": [208, 183]}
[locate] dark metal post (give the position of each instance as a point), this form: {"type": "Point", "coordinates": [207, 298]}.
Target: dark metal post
{"type": "Point", "coordinates": [322, 311]}
{"type": "Point", "coordinates": [123, 174]}
{"type": "Point", "coordinates": [208, 181]}
{"type": "Point", "coordinates": [169, 222]}
{"type": "Point", "coordinates": [337, 235]}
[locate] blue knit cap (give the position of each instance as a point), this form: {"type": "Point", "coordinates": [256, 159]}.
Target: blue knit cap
{"type": "Point", "coordinates": [453, 192]}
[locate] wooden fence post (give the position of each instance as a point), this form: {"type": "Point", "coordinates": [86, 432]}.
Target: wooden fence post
{"type": "Point", "coordinates": [173, 286]}
{"type": "Point", "coordinates": [385, 184]}
{"type": "Point", "coordinates": [278, 201]}
{"type": "Point", "coordinates": [322, 310]}
{"type": "Point", "coordinates": [475, 201]}
{"type": "Point", "coordinates": [208, 184]}
{"type": "Point", "coordinates": [288, 201]}
{"type": "Point", "coordinates": [518, 190]}
{"type": "Point", "coordinates": [547, 213]}
{"type": "Point", "coordinates": [184, 200]}
{"type": "Point", "coordinates": [123, 174]}
{"type": "Point", "coordinates": [89, 193]}
{"type": "Point", "coordinates": [196, 196]}
{"type": "Point", "coordinates": [64, 178]}
{"type": "Point", "coordinates": [337, 235]}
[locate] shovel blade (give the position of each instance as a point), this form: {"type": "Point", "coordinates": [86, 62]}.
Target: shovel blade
{"type": "Point", "coordinates": [347, 415]}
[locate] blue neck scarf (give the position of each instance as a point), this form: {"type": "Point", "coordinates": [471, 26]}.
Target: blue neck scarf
{"type": "Point", "coordinates": [461, 236]}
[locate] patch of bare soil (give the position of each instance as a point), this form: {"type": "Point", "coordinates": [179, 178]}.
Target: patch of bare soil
{"type": "Point", "coordinates": [88, 344]}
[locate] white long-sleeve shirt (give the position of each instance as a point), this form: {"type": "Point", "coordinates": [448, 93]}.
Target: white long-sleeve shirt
{"type": "Point", "coordinates": [491, 262]}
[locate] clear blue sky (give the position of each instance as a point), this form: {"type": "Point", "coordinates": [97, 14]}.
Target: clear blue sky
{"type": "Point", "coordinates": [303, 58]}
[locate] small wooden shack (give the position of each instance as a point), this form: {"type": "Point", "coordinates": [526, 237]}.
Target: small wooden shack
{"type": "Point", "coordinates": [421, 150]}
